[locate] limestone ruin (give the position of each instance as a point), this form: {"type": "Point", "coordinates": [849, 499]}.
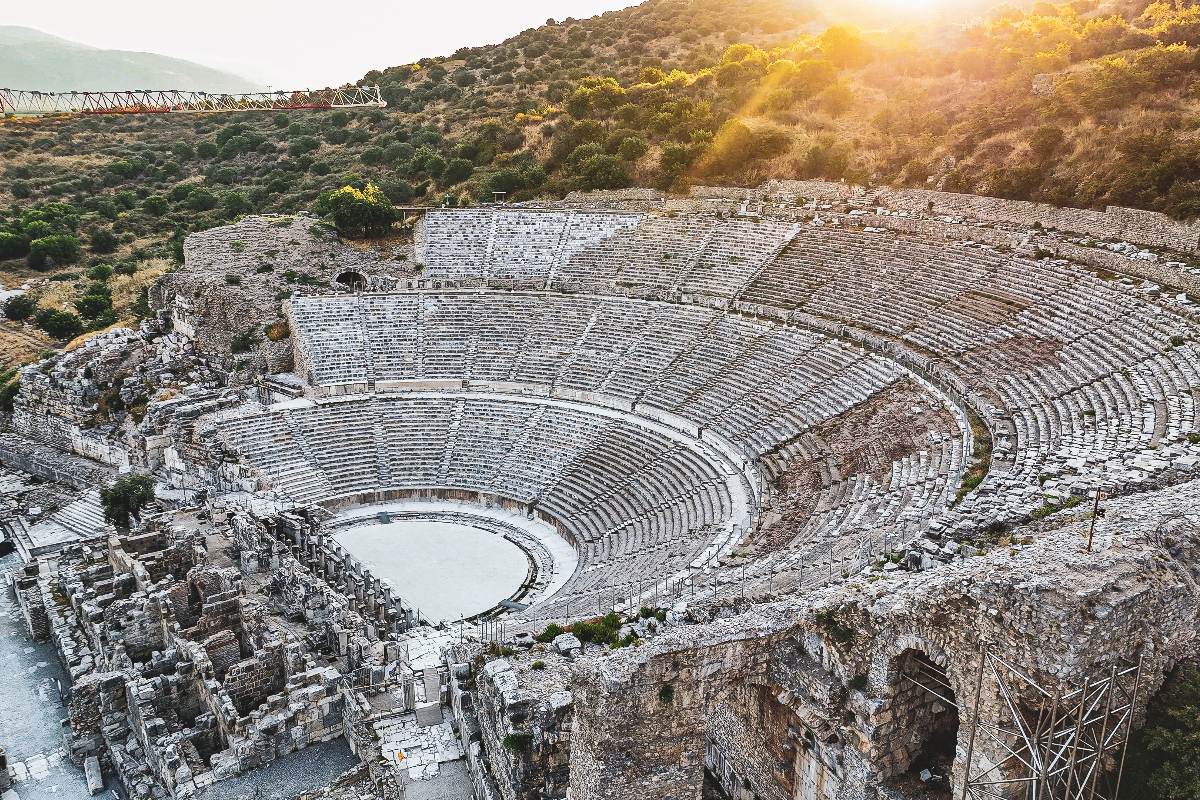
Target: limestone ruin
{"type": "Point", "coordinates": [823, 493]}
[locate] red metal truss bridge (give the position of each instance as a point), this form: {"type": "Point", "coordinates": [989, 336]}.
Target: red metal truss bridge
{"type": "Point", "coordinates": [166, 101]}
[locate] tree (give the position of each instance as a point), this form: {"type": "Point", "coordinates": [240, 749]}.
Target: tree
{"type": "Point", "coordinates": [844, 46]}
{"type": "Point", "coordinates": [125, 498]}
{"type": "Point", "coordinates": [1162, 762]}
{"type": "Point", "coordinates": [53, 250]}
{"type": "Point", "coordinates": [19, 307]}
{"type": "Point", "coordinates": [358, 212]}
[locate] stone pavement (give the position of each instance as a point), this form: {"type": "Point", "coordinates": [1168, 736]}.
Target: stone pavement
{"type": "Point", "coordinates": [304, 770]}
{"type": "Point", "coordinates": [31, 714]}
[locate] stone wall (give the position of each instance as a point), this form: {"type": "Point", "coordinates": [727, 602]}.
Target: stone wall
{"type": "Point", "coordinates": [826, 673]}
{"type": "Point", "coordinates": [234, 277]}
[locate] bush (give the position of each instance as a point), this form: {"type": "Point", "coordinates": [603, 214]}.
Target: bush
{"type": "Point", "coordinates": [457, 170]}
{"type": "Point", "coordinates": [95, 304]}
{"type": "Point", "coordinates": [125, 498]}
{"type": "Point", "coordinates": [358, 212]}
{"type": "Point", "coordinates": [200, 199]}
{"type": "Point", "coordinates": [19, 307]}
{"type": "Point", "coordinates": [602, 172]}
{"type": "Point", "coordinates": [632, 148]}
{"type": "Point", "coordinates": [8, 393]}
{"type": "Point", "coordinates": [59, 324]}
{"type": "Point", "coordinates": [13, 245]}
{"type": "Point", "coordinates": [548, 635]}
{"type": "Point", "coordinates": [243, 342]}
{"type": "Point", "coordinates": [302, 145]}
{"type": "Point", "coordinates": [53, 250]}
{"type": "Point", "coordinates": [155, 205]}
{"type": "Point", "coordinates": [103, 240]}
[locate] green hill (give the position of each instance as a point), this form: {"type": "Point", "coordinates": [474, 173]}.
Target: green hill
{"type": "Point", "coordinates": [30, 59]}
{"type": "Point", "coordinates": [1084, 103]}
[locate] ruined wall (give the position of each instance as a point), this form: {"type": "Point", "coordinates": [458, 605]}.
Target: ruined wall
{"type": "Point", "coordinates": [525, 719]}
{"type": "Point", "coordinates": [647, 719]}
{"type": "Point", "coordinates": [234, 277]}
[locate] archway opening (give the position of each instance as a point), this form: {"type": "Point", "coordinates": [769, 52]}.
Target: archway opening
{"type": "Point", "coordinates": [354, 281]}
{"type": "Point", "coordinates": [925, 711]}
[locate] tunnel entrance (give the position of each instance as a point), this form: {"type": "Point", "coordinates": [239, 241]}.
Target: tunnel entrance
{"type": "Point", "coordinates": [354, 281]}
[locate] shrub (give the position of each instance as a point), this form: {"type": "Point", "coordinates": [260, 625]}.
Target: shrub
{"type": "Point", "coordinates": [516, 742]}
{"type": "Point", "coordinates": [632, 148]}
{"type": "Point", "coordinates": [8, 393]}
{"type": "Point", "coordinates": [602, 172]}
{"type": "Point", "coordinates": [548, 635]}
{"type": "Point", "coordinates": [155, 205]}
{"type": "Point", "coordinates": [234, 204]}
{"type": "Point", "coordinates": [19, 307]}
{"type": "Point", "coordinates": [53, 250]}
{"type": "Point", "coordinates": [59, 324]}
{"type": "Point", "coordinates": [103, 240]}
{"type": "Point", "coordinates": [125, 498]}
{"type": "Point", "coordinates": [278, 331]}
{"type": "Point", "coordinates": [200, 199]}
{"type": "Point", "coordinates": [302, 145]}
{"type": "Point", "coordinates": [13, 245]}
{"type": "Point", "coordinates": [206, 150]}
{"type": "Point", "coordinates": [233, 280]}
{"type": "Point", "coordinates": [243, 342]}
{"type": "Point", "coordinates": [94, 304]}
{"type": "Point", "coordinates": [457, 170]}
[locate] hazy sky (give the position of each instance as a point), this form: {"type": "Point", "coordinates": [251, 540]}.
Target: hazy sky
{"type": "Point", "coordinates": [293, 44]}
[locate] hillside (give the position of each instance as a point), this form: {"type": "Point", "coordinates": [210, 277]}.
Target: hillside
{"type": "Point", "coordinates": [30, 59]}
{"type": "Point", "coordinates": [1081, 104]}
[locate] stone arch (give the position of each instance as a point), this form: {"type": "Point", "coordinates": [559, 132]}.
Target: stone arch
{"type": "Point", "coordinates": [917, 723]}
{"type": "Point", "coordinates": [352, 280]}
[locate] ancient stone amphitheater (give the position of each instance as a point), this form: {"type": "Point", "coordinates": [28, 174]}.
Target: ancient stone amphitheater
{"type": "Point", "coordinates": [885, 494]}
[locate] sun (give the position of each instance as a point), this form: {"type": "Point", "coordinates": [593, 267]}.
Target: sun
{"type": "Point", "coordinates": [914, 7]}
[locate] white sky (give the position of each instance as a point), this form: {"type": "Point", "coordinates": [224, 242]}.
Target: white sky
{"type": "Point", "coordinates": [292, 44]}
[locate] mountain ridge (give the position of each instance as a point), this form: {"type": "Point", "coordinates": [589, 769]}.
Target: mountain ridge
{"type": "Point", "coordinates": [33, 59]}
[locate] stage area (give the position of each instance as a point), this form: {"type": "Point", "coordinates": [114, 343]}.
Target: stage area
{"type": "Point", "coordinates": [448, 570]}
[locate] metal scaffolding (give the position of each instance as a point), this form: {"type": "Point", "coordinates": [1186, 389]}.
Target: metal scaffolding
{"type": "Point", "coordinates": [1056, 745]}
{"type": "Point", "coordinates": [165, 101]}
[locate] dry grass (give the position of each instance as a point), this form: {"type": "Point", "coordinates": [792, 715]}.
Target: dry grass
{"type": "Point", "coordinates": [127, 288]}
{"type": "Point", "coordinates": [20, 344]}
